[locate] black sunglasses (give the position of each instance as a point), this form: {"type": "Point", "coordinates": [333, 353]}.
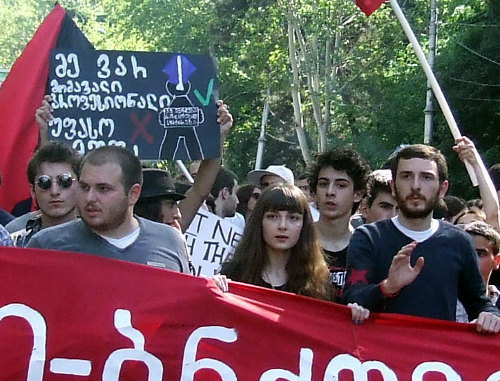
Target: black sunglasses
{"type": "Point", "coordinates": [64, 181]}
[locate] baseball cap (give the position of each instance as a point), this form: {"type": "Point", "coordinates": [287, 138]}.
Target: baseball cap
{"type": "Point", "coordinates": [285, 173]}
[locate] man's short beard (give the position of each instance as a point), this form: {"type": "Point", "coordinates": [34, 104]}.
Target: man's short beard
{"type": "Point", "coordinates": [230, 213]}
{"type": "Point", "coordinates": [430, 205]}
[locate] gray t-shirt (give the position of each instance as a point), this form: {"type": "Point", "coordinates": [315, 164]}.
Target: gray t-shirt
{"type": "Point", "coordinates": [157, 245]}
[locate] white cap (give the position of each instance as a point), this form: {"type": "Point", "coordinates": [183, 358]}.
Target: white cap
{"type": "Point", "coordinates": [286, 174]}
{"type": "Point", "coordinates": [382, 174]}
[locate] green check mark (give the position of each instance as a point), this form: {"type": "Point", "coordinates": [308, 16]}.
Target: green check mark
{"type": "Point", "coordinates": [205, 100]}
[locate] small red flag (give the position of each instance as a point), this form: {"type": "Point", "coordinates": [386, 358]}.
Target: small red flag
{"type": "Point", "coordinates": [369, 6]}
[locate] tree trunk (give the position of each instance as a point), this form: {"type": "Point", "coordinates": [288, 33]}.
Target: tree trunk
{"type": "Point", "coordinates": [297, 104]}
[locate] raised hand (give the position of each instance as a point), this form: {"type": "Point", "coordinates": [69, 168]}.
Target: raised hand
{"type": "Point", "coordinates": [401, 272]}
{"type": "Point", "coordinates": [43, 115]}
{"type": "Point", "coordinates": [466, 150]}
{"type": "Point", "coordinates": [224, 118]}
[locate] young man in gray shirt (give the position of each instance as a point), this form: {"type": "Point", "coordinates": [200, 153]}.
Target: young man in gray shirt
{"type": "Point", "coordinates": [109, 186]}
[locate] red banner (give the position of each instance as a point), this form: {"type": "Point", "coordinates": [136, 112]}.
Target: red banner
{"type": "Point", "coordinates": [67, 316]}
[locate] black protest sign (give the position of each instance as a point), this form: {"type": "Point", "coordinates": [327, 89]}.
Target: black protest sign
{"type": "Point", "coordinates": [159, 105]}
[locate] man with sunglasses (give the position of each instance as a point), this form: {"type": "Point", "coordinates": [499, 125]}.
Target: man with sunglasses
{"type": "Point", "coordinates": [52, 174]}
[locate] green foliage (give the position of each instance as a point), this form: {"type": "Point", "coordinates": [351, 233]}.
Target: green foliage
{"type": "Point", "coordinates": [470, 72]}
{"type": "Point", "coordinates": [18, 21]}
{"type": "Point", "coordinates": [371, 79]}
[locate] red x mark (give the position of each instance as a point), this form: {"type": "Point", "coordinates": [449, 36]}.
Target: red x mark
{"type": "Point", "coordinates": [357, 276]}
{"type": "Point", "coordinates": [141, 128]}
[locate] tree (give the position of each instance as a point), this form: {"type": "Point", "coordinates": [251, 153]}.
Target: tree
{"type": "Point", "coordinates": [470, 70]}
{"type": "Point", "coordinates": [334, 76]}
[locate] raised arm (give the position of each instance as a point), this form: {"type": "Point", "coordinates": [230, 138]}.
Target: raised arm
{"type": "Point", "coordinates": [206, 173]}
{"type": "Point", "coordinates": [467, 151]}
{"type": "Point", "coordinates": [43, 115]}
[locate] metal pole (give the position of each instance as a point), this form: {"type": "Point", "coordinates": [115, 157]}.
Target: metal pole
{"type": "Point", "coordinates": [262, 136]}
{"type": "Point", "coordinates": [184, 171]}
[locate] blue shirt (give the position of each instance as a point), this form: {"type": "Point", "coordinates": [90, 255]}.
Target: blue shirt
{"type": "Point", "coordinates": [5, 239]}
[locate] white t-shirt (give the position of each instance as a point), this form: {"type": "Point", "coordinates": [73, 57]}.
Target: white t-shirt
{"type": "Point", "coordinates": [237, 220]}
{"type": "Point", "coordinates": [419, 236]}
{"type": "Point", "coordinates": [123, 242]}
{"type": "Point", "coordinates": [314, 212]}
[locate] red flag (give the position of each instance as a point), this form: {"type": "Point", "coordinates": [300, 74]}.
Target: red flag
{"type": "Point", "coordinates": [369, 6]}
{"type": "Point", "coordinates": [21, 94]}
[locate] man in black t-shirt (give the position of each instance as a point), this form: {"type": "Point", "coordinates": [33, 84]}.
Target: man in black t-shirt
{"type": "Point", "coordinates": [338, 179]}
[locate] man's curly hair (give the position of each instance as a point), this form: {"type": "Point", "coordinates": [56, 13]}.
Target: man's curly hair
{"type": "Point", "coordinates": [341, 159]}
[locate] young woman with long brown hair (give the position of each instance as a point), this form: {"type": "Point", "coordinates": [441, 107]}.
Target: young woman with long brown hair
{"type": "Point", "coordinates": [279, 249]}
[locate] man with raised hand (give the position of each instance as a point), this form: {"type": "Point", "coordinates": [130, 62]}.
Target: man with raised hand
{"type": "Point", "coordinates": [413, 264]}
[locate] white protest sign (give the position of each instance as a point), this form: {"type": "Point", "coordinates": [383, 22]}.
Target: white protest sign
{"type": "Point", "coordinates": [211, 240]}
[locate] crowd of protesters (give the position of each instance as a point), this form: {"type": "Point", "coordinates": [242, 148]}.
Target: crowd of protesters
{"type": "Point", "coordinates": [388, 240]}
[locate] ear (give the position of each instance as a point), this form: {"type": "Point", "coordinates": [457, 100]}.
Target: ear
{"type": "Point", "coordinates": [443, 188]}
{"type": "Point", "coordinates": [225, 193]}
{"type": "Point", "coordinates": [358, 195]}
{"type": "Point", "coordinates": [363, 208]}
{"type": "Point", "coordinates": [32, 191]}
{"type": "Point", "coordinates": [497, 262]}
{"type": "Point", "coordinates": [393, 187]}
{"type": "Point", "coordinates": [134, 193]}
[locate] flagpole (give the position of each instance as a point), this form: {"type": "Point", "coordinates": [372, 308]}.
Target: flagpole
{"type": "Point", "coordinates": [432, 81]}
{"type": "Point", "coordinates": [262, 136]}
{"type": "Point", "coordinates": [184, 171]}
